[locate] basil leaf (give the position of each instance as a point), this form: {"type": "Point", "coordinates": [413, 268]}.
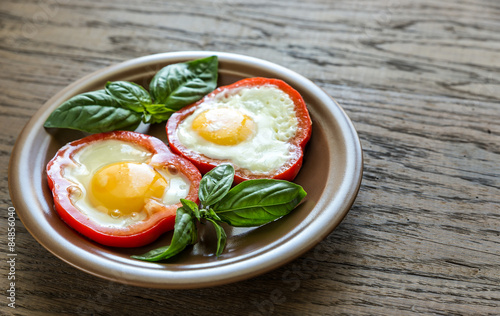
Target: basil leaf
{"type": "Point", "coordinates": [221, 237]}
{"type": "Point", "coordinates": [93, 112]}
{"type": "Point", "coordinates": [211, 214]}
{"type": "Point", "coordinates": [215, 184]}
{"type": "Point", "coordinates": [129, 95]}
{"type": "Point", "coordinates": [181, 84]}
{"type": "Point", "coordinates": [157, 113]}
{"type": "Point", "coordinates": [147, 118]}
{"type": "Point", "coordinates": [185, 234]}
{"type": "Point", "coordinates": [187, 204]}
{"type": "Point", "coordinates": [257, 202]}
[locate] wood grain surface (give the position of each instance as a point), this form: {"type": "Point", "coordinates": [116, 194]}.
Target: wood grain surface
{"type": "Point", "coordinates": [419, 79]}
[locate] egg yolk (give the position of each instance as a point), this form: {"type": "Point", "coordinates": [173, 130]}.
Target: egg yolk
{"type": "Point", "coordinates": [223, 126]}
{"type": "Point", "coordinates": [124, 188]}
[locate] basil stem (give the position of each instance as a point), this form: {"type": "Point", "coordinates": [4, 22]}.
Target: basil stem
{"type": "Point", "coordinates": [93, 112]}
{"type": "Point", "coordinates": [257, 202]}
{"type": "Point", "coordinates": [185, 233]}
{"type": "Point", "coordinates": [181, 84]}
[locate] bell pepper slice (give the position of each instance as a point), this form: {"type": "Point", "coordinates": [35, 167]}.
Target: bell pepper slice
{"type": "Point", "coordinates": [133, 233]}
{"type": "Point", "coordinates": [288, 171]}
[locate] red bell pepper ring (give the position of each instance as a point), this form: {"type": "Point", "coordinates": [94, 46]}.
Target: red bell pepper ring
{"type": "Point", "coordinates": [287, 172]}
{"type": "Point", "coordinates": [137, 234]}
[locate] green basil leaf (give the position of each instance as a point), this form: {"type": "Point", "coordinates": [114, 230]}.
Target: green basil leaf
{"type": "Point", "coordinates": [257, 202]}
{"type": "Point", "coordinates": [188, 204]}
{"type": "Point", "coordinates": [185, 234]}
{"type": "Point", "coordinates": [181, 84]}
{"type": "Point", "coordinates": [211, 214]}
{"type": "Point", "coordinates": [221, 237]}
{"type": "Point", "coordinates": [215, 184]}
{"type": "Point", "coordinates": [158, 109]}
{"type": "Point", "coordinates": [157, 113]}
{"type": "Point", "coordinates": [147, 118]}
{"type": "Point", "coordinates": [129, 95]}
{"type": "Point", "coordinates": [93, 112]}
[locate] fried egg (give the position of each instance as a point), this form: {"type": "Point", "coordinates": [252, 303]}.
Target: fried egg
{"type": "Point", "coordinates": [116, 185]}
{"type": "Point", "coordinates": [249, 127]}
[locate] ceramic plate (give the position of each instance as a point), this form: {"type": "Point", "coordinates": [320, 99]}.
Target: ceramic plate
{"type": "Point", "coordinates": [331, 174]}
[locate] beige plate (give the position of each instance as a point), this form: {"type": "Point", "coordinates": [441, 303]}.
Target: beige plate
{"type": "Point", "coordinates": [331, 175]}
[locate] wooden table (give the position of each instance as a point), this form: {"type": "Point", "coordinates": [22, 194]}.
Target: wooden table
{"type": "Point", "coordinates": [420, 81]}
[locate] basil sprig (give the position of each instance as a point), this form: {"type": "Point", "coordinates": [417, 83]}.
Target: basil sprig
{"type": "Point", "coordinates": [250, 203]}
{"type": "Point", "coordinates": [185, 233]}
{"type": "Point", "coordinates": [122, 105]}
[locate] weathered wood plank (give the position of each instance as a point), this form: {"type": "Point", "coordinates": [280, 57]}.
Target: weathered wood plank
{"type": "Point", "coordinates": [420, 81]}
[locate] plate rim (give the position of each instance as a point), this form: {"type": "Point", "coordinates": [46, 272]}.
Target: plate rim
{"type": "Point", "coordinates": [235, 270]}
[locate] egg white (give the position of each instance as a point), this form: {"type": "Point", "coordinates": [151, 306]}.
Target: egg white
{"type": "Point", "coordinates": [272, 111]}
{"type": "Point", "coordinates": [91, 158]}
